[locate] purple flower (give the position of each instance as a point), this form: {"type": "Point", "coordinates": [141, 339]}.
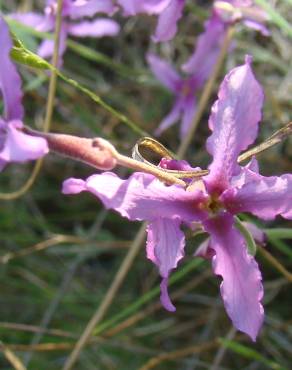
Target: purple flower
{"type": "Point", "coordinates": [184, 90]}
{"type": "Point", "coordinates": [212, 201]}
{"type": "Point", "coordinates": [210, 41]}
{"type": "Point", "coordinates": [168, 11]}
{"type": "Point", "coordinates": [244, 10]}
{"type": "Point", "coordinates": [72, 10]}
{"type": "Point", "coordinates": [15, 146]}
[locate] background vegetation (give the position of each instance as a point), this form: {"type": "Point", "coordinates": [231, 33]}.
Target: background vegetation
{"type": "Point", "coordinates": [59, 254]}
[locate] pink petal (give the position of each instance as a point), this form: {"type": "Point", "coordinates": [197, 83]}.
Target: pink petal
{"type": "Point", "coordinates": [73, 186]}
{"type": "Point", "coordinates": [98, 28]}
{"type": "Point", "coordinates": [133, 7]}
{"type": "Point", "coordinates": [46, 49]}
{"type": "Point", "coordinates": [167, 21]}
{"type": "Point", "coordinates": [171, 118]}
{"type": "Point", "coordinates": [206, 52]}
{"type": "Point", "coordinates": [249, 172]}
{"type": "Point", "coordinates": [266, 197]}
{"type": "Point", "coordinates": [234, 122]}
{"type": "Point", "coordinates": [142, 197]}
{"type": "Point", "coordinates": [257, 26]}
{"type": "Point", "coordinates": [10, 83]}
{"type": "Point", "coordinates": [241, 288]}
{"type": "Point", "coordinates": [165, 247]}
{"type": "Point", "coordinates": [164, 72]}
{"type": "Point", "coordinates": [20, 147]}
{"type": "Point", "coordinates": [164, 296]}
{"type": "Point", "coordinates": [189, 110]}
{"type": "Point", "coordinates": [165, 244]}
{"type": "Point", "coordinates": [29, 19]}
{"type": "Point", "coordinates": [81, 8]}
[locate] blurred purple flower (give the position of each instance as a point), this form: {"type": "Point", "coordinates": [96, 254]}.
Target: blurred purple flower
{"type": "Point", "coordinates": [72, 10]}
{"type": "Point", "coordinates": [15, 146]}
{"type": "Point", "coordinates": [212, 201]}
{"type": "Point", "coordinates": [184, 90]}
{"type": "Point", "coordinates": [210, 41]}
{"type": "Point", "coordinates": [168, 11]}
{"type": "Point", "coordinates": [243, 10]}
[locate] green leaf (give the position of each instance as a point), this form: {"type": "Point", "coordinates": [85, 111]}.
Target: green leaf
{"type": "Point", "coordinates": [21, 55]}
{"type": "Point", "coordinates": [248, 352]}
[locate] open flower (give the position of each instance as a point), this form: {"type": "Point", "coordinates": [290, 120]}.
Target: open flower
{"type": "Point", "coordinates": [168, 11]}
{"type": "Point", "coordinates": [213, 201]}
{"type": "Point", "coordinates": [15, 146]}
{"type": "Point", "coordinates": [71, 11]}
{"type": "Point", "coordinates": [184, 90]}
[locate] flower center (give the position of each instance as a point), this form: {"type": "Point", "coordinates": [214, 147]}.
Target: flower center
{"type": "Point", "coordinates": [214, 205]}
{"type": "Point", "coordinates": [186, 89]}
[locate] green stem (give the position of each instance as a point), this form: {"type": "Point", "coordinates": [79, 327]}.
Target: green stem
{"type": "Point", "coordinates": [251, 245]}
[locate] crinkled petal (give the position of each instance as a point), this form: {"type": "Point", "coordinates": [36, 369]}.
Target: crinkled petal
{"type": "Point", "coordinates": [189, 110]}
{"type": "Point", "coordinates": [133, 7]}
{"type": "Point", "coordinates": [167, 21]}
{"type": "Point", "coordinates": [206, 52]}
{"type": "Point", "coordinates": [142, 197]}
{"type": "Point", "coordinates": [257, 26]}
{"type": "Point", "coordinates": [171, 118]}
{"type": "Point", "coordinates": [241, 288]}
{"type": "Point", "coordinates": [20, 147]}
{"type": "Point", "coordinates": [249, 172]}
{"type": "Point", "coordinates": [81, 8]}
{"type": "Point", "coordinates": [165, 247]}
{"type": "Point", "coordinates": [98, 28]}
{"type": "Point", "coordinates": [164, 72]}
{"type": "Point", "coordinates": [234, 122]}
{"type": "Point", "coordinates": [73, 186]}
{"type": "Point", "coordinates": [10, 83]}
{"type": "Point", "coordinates": [164, 296]}
{"type": "Point", "coordinates": [266, 197]}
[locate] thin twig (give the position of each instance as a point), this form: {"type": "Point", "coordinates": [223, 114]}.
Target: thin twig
{"type": "Point", "coordinates": [156, 306]}
{"type": "Point", "coordinates": [273, 261]}
{"type": "Point", "coordinates": [62, 239]}
{"type": "Point", "coordinates": [222, 350]}
{"type": "Point", "coordinates": [102, 309]}
{"type": "Point", "coordinates": [207, 91]}
{"type": "Point", "coordinates": [11, 357]}
{"type": "Point", "coordinates": [276, 138]}
{"type": "Point", "coordinates": [36, 329]}
{"type": "Point", "coordinates": [153, 362]}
